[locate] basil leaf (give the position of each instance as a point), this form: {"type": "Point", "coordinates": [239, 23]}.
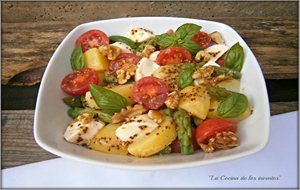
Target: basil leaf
{"type": "Point", "coordinates": [187, 31]}
{"type": "Point", "coordinates": [233, 106]}
{"type": "Point", "coordinates": [189, 45]}
{"type": "Point", "coordinates": [108, 101]}
{"type": "Point", "coordinates": [166, 40]}
{"type": "Point", "coordinates": [219, 93]}
{"type": "Point", "coordinates": [185, 77]}
{"type": "Point", "coordinates": [235, 57]}
{"type": "Point", "coordinates": [77, 61]}
{"type": "Point", "coordinates": [124, 40]}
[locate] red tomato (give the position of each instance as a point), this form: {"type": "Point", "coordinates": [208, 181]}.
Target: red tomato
{"type": "Point", "coordinates": [152, 92]}
{"type": "Point", "coordinates": [78, 81]}
{"type": "Point", "coordinates": [122, 59]}
{"type": "Point", "coordinates": [173, 55]}
{"type": "Point", "coordinates": [209, 128]}
{"type": "Point", "coordinates": [170, 31]}
{"type": "Point", "coordinates": [175, 145]}
{"type": "Point", "coordinates": [202, 39]}
{"type": "Point", "coordinates": [221, 62]}
{"type": "Point", "coordinates": [92, 39]}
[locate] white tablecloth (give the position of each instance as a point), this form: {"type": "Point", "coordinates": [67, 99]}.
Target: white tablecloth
{"type": "Point", "coordinates": [274, 166]}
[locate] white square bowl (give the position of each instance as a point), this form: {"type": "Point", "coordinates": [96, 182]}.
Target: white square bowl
{"type": "Point", "coordinates": [51, 117]}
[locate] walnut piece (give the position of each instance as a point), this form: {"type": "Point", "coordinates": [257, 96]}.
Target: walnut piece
{"type": "Point", "coordinates": [85, 118]}
{"type": "Point", "coordinates": [156, 116]}
{"type": "Point", "coordinates": [203, 72]}
{"type": "Point", "coordinates": [216, 37]}
{"type": "Point", "coordinates": [172, 100]}
{"type": "Point", "coordinates": [128, 112]}
{"type": "Point", "coordinates": [148, 50]}
{"type": "Point", "coordinates": [202, 56]}
{"type": "Point", "coordinates": [110, 51]}
{"type": "Point", "coordinates": [222, 140]}
{"type": "Point", "coordinates": [127, 71]}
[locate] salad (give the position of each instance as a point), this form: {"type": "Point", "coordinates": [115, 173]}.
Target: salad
{"type": "Point", "coordinates": [145, 94]}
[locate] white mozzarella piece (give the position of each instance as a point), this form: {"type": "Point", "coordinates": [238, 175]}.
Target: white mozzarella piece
{"type": "Point", "coordinates": [139, 34]}
{"type": "Point", "coordinates": [90, 100]}
{"type": "Point", "coordinates": [153, 56]}
{"type": "Point", "coordinates": [124, 47]}
{"type": "Point", "coordinates": [81, 132]}
{"type": "Point", "coordinates": [211, 63]}
{"type": "Point", "coordinates": [136, 128]}
{"type": "Point", "coordinates": [216, 51]}
{"type": "Point", "coordinates": [145, 68]}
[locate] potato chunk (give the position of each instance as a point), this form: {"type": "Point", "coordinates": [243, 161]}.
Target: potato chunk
{"type": "Point", "coordinates": [95, 60]}
{"type": "Point", "coordinates": [156, 141]}
{"type": "Point", "coordinates": [125, 90]}
{"type": "Point", "coordinates": [106, 141]}
{"type": "Point", "coordinates": [195, 100]}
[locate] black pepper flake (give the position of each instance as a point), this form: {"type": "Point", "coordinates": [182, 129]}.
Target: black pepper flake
{"type": "Point", "coordinates": [95, 116]}
{"type": "Point", "coordinates": [210, 110]}
{"type": "Point", "coordinates": [85, 129]}
{"type": "Point", "coordinates": [147, 134]}
{"type": "Point", "coordinates": [157, 133]}
{"type": "Point", "coordinates": [79, 139]}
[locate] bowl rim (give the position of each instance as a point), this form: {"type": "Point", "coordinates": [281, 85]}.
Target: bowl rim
{"type": "Point", "coordinates": [154, 166]}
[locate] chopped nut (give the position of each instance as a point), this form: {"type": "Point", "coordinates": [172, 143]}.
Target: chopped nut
{"type": "Point", "coordinates": [128, 113]}
{"type": "Point", "coordinates": [124, 74]}
{"type": "Point", "coordinates": [222, 140]}
{"type": "Point", "coordinates": [85, 118]}
{"type": "Point", "coordinates": [203, 72]}
{"type": "Point", "coordinates": [172, 100]}
{"type": "Point", "coordinates": [202, 56]}
{"type": "Point", "coordinates": [216, 37]}
{"type": "Point", "coordinates": [110, 51]}
{"type": "Point", "coordinates": [156, 116]}
{"type": "Point", "coordinates": [148, 50]}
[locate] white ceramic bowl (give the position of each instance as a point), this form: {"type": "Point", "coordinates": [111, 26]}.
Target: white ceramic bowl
{"type": "Point", "coordinates": [51, 117]}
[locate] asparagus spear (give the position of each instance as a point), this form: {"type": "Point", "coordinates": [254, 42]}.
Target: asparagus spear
{"type": "Point", "coordinates": [183, 122]}
{"type": "Point", "coordinates": [74, 112]}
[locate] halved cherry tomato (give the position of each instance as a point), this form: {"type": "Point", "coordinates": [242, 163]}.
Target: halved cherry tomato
{"type": "Point", "coordinates": [122, 59]}
{"type": "Point", "coordinates": [78, 81]}
{"type": "Point", "coordinates": [173, 55]}
{"type": "Point", "coordinates": [92, 39]}
{"type": "Point", "coordinates": [150, 91]}
{"type": "Point", "coordinates": [202, 38]}
{"type": "Point", "coordinates": [209, 128]}
{"type": "Point", "coordinates": [221, 62]}
{"type": "Point", "coordinates": [170, 31]}
{"type": "Point", "coordinates": [175, 145]}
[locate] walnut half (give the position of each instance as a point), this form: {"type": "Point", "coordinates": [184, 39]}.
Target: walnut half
{"type": "Point", "coordinates": [110, 51]}
{"type": "Point", "coordinates": [222, 140]}
{"type": "Point", "coordinates": [129, 112]}
{"type": "Point", "coordinates": [128, 70]}
{"type": "Point", "coordinates": [156, 116]}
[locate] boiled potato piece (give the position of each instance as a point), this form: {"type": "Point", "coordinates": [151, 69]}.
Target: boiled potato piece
{"type": "Point", "coordinates": [231, 85]}
{"type": "Point", "coordinates": [195, 100]}
{"type": "Point", "coordinates": [213, 114]}
{"type": "Point", "coordinates": [125, 90]}
{"type": "Point", "coordinates": [156, 141]}
{"type": "Point", "coordinates": [106, 141]}
{"type": "Point", "coordinates": [95, 60]}
{"type": "Point", "coordinates": [169, 74]}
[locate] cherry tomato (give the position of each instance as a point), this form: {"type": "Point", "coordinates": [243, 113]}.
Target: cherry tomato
{"type": "Point", "coordinates": [221, 62]}
{"type": "Point", "coordinates": [78, 81]}
{"type": "Point", "coordinates": [150, 91]}
{"type": "Point", "coordinates": [92, 39]}
{"type": "Point", "coordinates": [202, 38]}
{"type": "Point", "coordinates": [122, 59]}
{"type": "Point", "coordinates": [175, 145]}
{"type": "Point", "coordinates": [209, 128]}
{"type": "Point", "coordinates": [170, 31]}
{"type": "Point", "coordinates": [173, 55]}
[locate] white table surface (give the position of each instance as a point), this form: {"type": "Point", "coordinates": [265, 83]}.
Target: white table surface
{"type": "Point", "coordinates": [274, 166]}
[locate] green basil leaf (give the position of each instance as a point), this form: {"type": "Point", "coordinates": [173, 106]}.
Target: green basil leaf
{"type": "Point", "coordinates": [189, 45]}
{"type": "Point", "coordinates": [166, 40]}
{"type": "Point", "coordinates": [187, 31]}
{"type": "Point", "coordinates": [185, 77]}
{"type": "Point", "coordinates": [124, 40]}
{"type": "Point", "coordinates": [219, 93]}
{"type": "Point", "coordinates": [233, 106]}
{"type": "Point", "coordinates": [108, 101]}
{"type": "Point", "coordinates": [77, 61]}
{"type": "Point", "coordinates": [235, 57]}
